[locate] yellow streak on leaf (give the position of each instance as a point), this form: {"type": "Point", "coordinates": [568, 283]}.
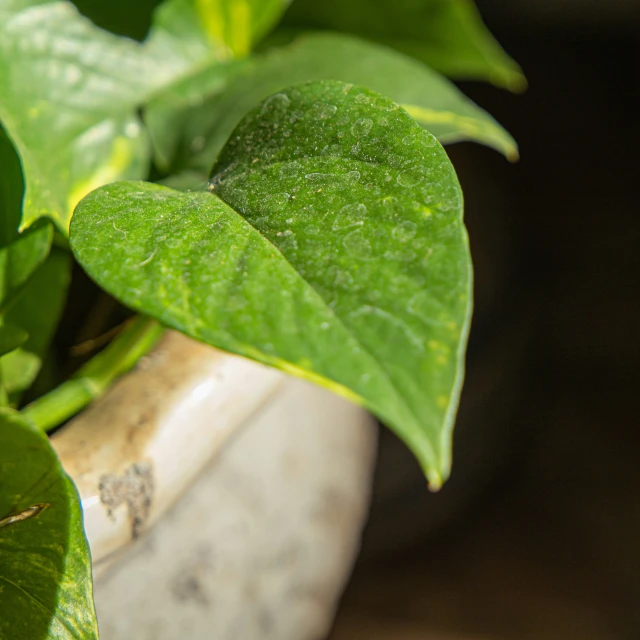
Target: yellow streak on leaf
{"type": "Point", "coordinates": [230, 29]}
{"type": "Point", "coordinates": [240, 28]}
{"type": "Point", "coordinates": [210, 13]}
{"type": "Point", "coordinates": [476, 129]}
{"type": "Point", "coordinates": [299, 371]}
{"type": "Point", "coordinates": [120, 159]}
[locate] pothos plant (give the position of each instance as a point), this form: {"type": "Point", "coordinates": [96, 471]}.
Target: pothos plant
{"type": "Point", "coordinates": [327, 240]}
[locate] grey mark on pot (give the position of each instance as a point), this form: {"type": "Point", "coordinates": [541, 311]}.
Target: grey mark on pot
{"type": "Point", "coordinates": [135, 489]}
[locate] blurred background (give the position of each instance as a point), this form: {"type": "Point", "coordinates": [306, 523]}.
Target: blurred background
{"type": "Point", "coordinates": [537, 535]}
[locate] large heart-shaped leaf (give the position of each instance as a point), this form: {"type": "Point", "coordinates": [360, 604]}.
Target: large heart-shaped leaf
{"type": "Point", "coordinates": [69, 91]}
{"type": "Point", "coordinates": [448, 35]}
{"type": "Point", "coordinates": [196, 127]}
{"type": "Point", "coordinates": [45, 567]}
{"type": "Point", "coordinates": [332, 247]}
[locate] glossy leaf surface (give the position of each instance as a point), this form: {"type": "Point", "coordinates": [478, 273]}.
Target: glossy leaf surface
{"type": "Point", "coordinates": [194, 123]}
{"type": "Point", "coordinates": [332, 247]}
{"type": "Point", "coordinates": [45, 567]}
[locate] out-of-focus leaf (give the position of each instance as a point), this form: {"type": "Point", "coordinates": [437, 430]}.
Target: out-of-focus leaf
{"type": "Point", "coordinates": [37, 310]}
{"type": "Point", "coordinates": [11, 191]}
{"type": "Point", "coordinates": [45, 566]}
{"type": "Point", "coordinates": [168, 115]}
{"type": "Point", "coordinates": [122, 17]}
{"type": "Point", "coordinates": [69, 91]}
{"type": "Point", "coordinates": [11, 337]}
{"type": "Point", "coordinates": [227, 21]}
{"type": "Point", "coordinates": [448, 35]}
{"type": "Point", "coordinates": [186, 181]}
{"type": "Point", "coordinates": [206, 123]}
{"type": "Point", "coordinates": [21, 258]}
{"type": "Point", "coordinates": [20, 253]}
{"type": "Point", "coordinates": [228, 27]}
{"type": "Point", "coordinates": [67, 97]}
{"type": "Point", "coordinates": [332, 247]}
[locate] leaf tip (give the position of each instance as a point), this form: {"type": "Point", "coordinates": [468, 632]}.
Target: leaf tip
{"type": "Point", "coordinates": [434, 482]}
{"type": "Point", "coordinates": [512, 154]}
{"type": "Point", "coordinates": [518, 83]}
{"type": "Point", "coordinates": [512, 79]}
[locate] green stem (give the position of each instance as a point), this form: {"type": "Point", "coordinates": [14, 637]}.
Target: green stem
{"type": "Point", "coordinates": [96, 376]}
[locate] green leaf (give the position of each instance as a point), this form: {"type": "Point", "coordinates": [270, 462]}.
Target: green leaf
{"type": "Point", "coordinates": [37, 310]}
{"type": "Point", "coordinates": [45, 566]}
{"type": "Point", "coordinates": [123, 17]}
{"type": "Point", "coordinates": [20, 253]}
{"type": "Point", "coordinates": [67, 97]}
{"type": "Point", "coordinates": [448, 35]}
{"type": "Point", "coordinates": [228, 27]}
{"type": "Point", "coordinates": [205, 32]}
{"type": "Point", "coordinates": [21, 258]}
{"type": "Point", "coordinates": [11, 190]}
{"type": "Point", "coordinates": [69, 91]}
{"type": "Point", "coordinates": [332, 247]}
{"type": "Point", "coordinates": [225, 21]}
{"type": "Point", "coordinates": [185, 181]}
{"type": "Point", "coordinates": [194, 133]}
{"type": "Point", "coordinates": [11, 337]}
{"type": "Point", "coordinates": [168, 115]}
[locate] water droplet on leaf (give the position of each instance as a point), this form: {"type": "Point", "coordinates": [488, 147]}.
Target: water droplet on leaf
{"type": "Point", "coordinates": [361, 127]}
{"type": "Point", "coordinates": [289, 170]}
{"type": "Point", "coordinates": [279, 102]}
{"type": "Point", "coordinates": [405, 231]}
{"type": "Point", "coordinates": [410, 178]}
{"type": "Point", "coordinates": [323, 110]}
{"type": "Point", "coordinates": [352, 215]}
{"type": "Point", "coordinates": [428, 140]}
{"type": "Point", "coordinates": [356, 244]}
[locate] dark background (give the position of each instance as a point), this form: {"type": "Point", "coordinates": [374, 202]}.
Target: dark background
{"type": "Point", "coordinates": [537, 535]}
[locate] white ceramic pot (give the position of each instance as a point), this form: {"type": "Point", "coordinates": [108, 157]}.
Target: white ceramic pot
{"type": "Point", "coordinates": [261, 545]}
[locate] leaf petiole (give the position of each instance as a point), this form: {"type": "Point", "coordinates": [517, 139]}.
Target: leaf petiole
{"type": "Point", "coordinates": [96, 376]}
